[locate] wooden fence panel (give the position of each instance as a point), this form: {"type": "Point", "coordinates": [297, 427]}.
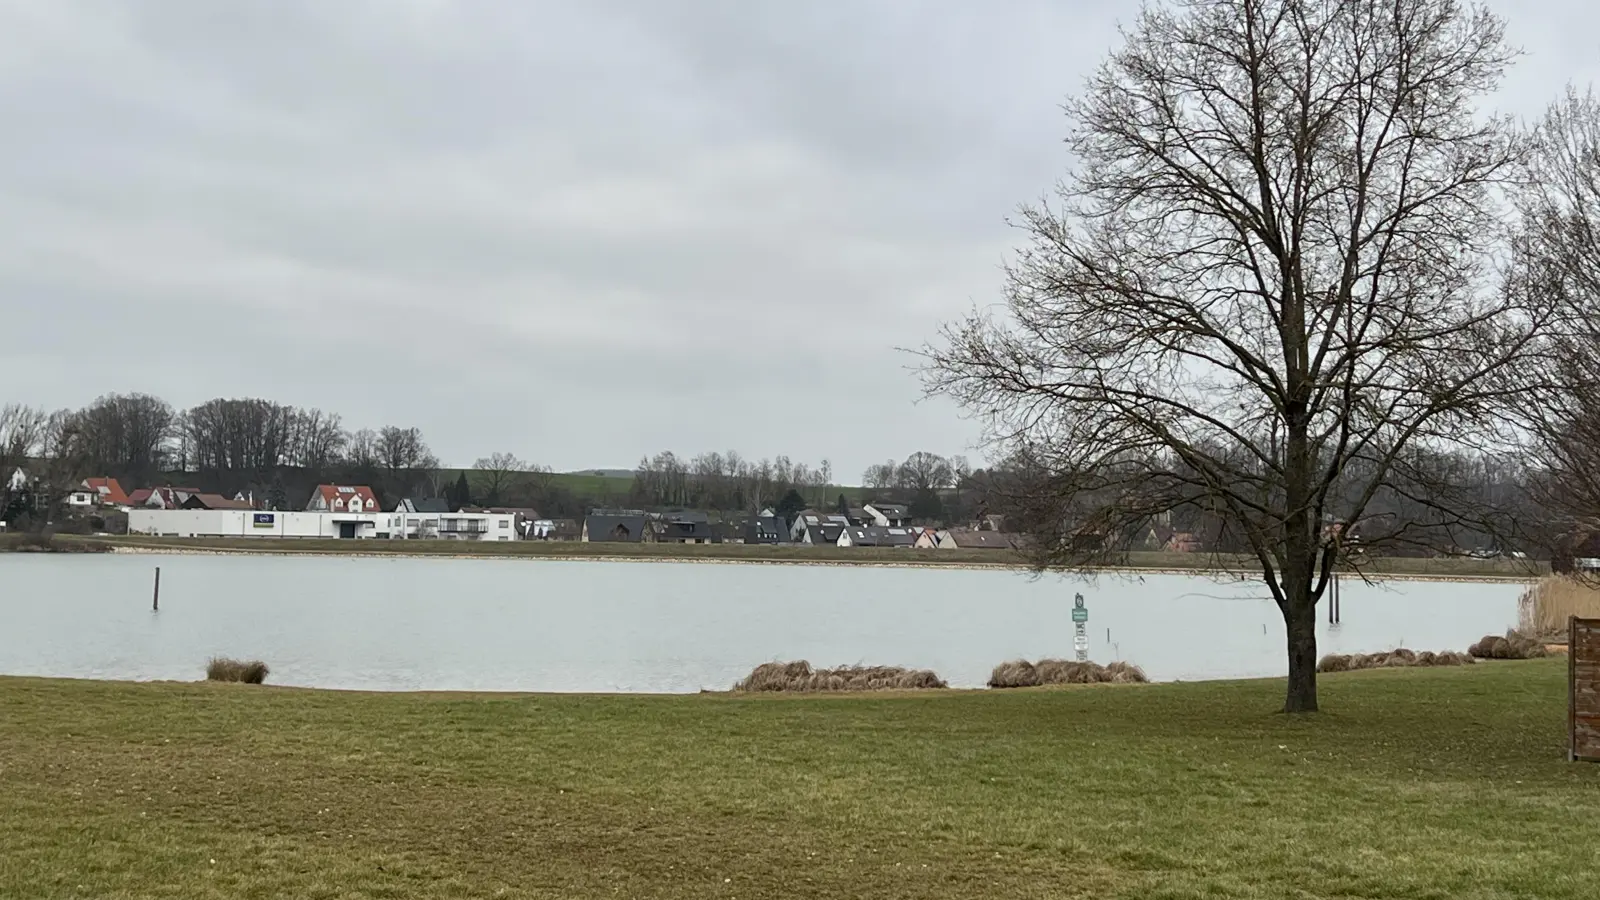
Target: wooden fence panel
{"type": "Point", "coordinates": [1583, 689]}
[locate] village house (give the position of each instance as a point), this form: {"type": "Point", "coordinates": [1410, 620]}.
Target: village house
{"type": "Point", "coordinates": [820, 529]}
{"type": "Point", "coordinates": [765, 529]}
{"type": "Point", "coordinates": [423, 505]}
{"type": "Point", "coordinates": [975, 540]}
{"type": "Point", "coordinates": [875, 536]}
{"type": "Point", "coordinates": [616, 526]}
{"type": "Point", "coordinates": [83, 497]}
{"type": "Point", "coordinates": [682, 527]}
{"type": "Point", "coordinates": [887, 515]}
{"type": "Point", "coordinates": [213, 501]}
{"type": "Point", "coordinates": [109, 492]}
{"type": "Point", "coordinates": [161, 497]}
{"type": "Point", "coordinates": [340, 498]}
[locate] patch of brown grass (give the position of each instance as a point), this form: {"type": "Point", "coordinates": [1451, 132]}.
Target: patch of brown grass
{"type": "Point", "coordinates": [1021, 673]}
{"type": "Point", "coordinates": [1544, 608]}
{"type": "Point", "coordinates": [1394, 659]}
{"type": "Point", "coordinates": [244, 671]}
{"type": "Point", "coordinates": [801, 677]}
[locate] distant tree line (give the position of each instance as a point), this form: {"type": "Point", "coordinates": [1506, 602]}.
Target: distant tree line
{"type": "Point", "coordinates": [277, 454]}
{"type": "Point", "coordinates": [937, 490]}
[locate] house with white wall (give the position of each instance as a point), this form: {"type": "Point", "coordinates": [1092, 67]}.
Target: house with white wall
{"type": "Point", "coordinates": [887, 515]}
{"type": "Point", "coordinates": [342, 498]}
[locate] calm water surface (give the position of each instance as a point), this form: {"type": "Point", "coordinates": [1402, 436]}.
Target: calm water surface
{"type": "Point", "coordinates": [408, 624]}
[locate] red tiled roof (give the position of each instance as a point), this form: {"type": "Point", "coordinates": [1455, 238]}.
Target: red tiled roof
{"type": "Point", "coordinates": [331, 492]}
{"type": "Point", "coordinates": [108, 489]}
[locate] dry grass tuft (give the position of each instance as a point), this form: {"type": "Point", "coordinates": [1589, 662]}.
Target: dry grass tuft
{"type": "Point", "coordinates": [1394, 659]}
{"type": "Point", "coordinates": [221, 668]}
{"type": "Point", "coordinates": [1515, 645]}
{"type": "Point", "coordinates": [1015, 674]}
{"type": "Point", "coordinates": [1021, 673]}
{"type": "Point", "coordinates": [1543, 609]}
{"type": "Point", "coordinates": [799, 676]}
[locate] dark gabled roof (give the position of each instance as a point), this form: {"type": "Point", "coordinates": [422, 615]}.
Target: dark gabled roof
{"type": "Point", "coordinates": [825, 532]}
{"type": "Point", "coordinates": [603, 527]}
{"type": "Point", "coordinates": [770, 528]}
{"type": "Point", "coordinates": [862, 536]}
{"type": "Point", "coordinates": [685, 515]}
{"type": "Point", "coordinates": [685, 528]}
{"type": "Point", "coordinates": [892, 510]}
{"type": "Point", "coordinates": [897, 537]}
{"type": "Point", "coordinates": [430, 504]}
{"type": "Point", "coordinates": [982, 540]}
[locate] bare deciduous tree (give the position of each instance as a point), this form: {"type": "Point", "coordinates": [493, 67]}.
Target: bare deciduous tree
{"type": "Point", "coordinates": [924, 471]}
{"type": "Point", "coordinates": [497, 473]}
{"type": "Point", "coordinates": [1558, 255]}
{"type": "Point", "coordinates": [1260, 293]}
{"type": "Point", "coordinates": [22, 432]}
{"type": "Point", "coordinates": [126, 435]}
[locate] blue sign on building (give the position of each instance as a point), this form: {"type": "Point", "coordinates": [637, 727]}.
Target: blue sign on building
{"type": "Point", "coordinates": [263, 520]}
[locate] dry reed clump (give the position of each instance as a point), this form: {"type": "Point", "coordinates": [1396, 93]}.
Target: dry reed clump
{"type": "Point", "coordinates": [1543, 609]}
{"type": "Point", "coordinates": [1021, 673]}
{"type": "Point", "coordinates": [1393, 659]}
{"type": "Point", "coordinates": [799, 676]}
{"type": "Point", "coordinates": [251, 671]}
{"type": "Point", "coordinates": [1515, 645]}
{"type": "Point", "coordinates": [1015, 674]}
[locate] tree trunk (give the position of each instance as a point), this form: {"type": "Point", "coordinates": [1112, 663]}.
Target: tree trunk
{"type": "Point", "coordinates": [1300, 621]}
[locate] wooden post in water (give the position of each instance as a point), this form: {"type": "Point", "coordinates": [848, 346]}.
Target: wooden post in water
{"type": "Point", "coordinates": [155, 599]}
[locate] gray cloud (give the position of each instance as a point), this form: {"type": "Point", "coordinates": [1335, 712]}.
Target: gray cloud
{"type": "Point", "coordinates": [577, 231]}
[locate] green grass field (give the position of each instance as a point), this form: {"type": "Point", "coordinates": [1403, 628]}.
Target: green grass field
{"type": "Point", "coordinates": [1421, 783]}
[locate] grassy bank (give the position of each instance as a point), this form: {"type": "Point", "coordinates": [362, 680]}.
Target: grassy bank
{"type": "Point", "coordinates": [1176, 562]}
{"type": "Point", "coordinates": [39, 543]}
{"type": "Point", "coordinates": [1419, 783]}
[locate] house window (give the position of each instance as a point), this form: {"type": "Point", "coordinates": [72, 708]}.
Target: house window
{"type": "Point", "coordinates": [504, 524]}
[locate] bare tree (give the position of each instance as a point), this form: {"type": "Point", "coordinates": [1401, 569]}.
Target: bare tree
{"type": "Point", "coordinates": [1558, 256]}
{"type": "Point", "coordinates": [318, 439]}
{"type": "Point", "coordinates": [126, 435]}
{"type": "Point", "coordinates": [924, 471]}
{"type": "Point", "coordinates": [22, 432]}
{"type": "Point", "coordinates": [249, 436]}
{"type": "Point", "coordinates": [1259, 294]}
{"type": "Point", "coordinates": [882, 475]}
{"type": "Point", "coordinates": [497, 473]}
{"type": "Point", "coordinates": [361, 452]}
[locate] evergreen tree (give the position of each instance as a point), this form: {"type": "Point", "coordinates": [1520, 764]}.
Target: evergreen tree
{"type": "Point", "coordinates": [790, 506]}
{"type": "Point", "coordinates": [462, 495]}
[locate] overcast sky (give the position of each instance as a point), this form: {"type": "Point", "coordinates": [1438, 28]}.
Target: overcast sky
{"type": "Point", "coordinates": [575, 231]}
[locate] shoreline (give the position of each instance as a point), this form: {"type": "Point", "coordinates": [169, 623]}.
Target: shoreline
{"type": "Point", "coordinates": [1218, 573]}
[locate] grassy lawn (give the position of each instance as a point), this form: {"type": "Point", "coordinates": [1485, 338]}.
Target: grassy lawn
{"type": "Point", "coordinates": [1446, 783]}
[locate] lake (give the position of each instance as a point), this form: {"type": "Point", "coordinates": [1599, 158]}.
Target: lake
{"type": "Point", "coordinates": [521, 625]}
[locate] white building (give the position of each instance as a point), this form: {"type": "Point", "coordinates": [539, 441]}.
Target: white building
{"type": "Point", "coordinates": [202, 523]}
{"type": "Point", "coordinates": [83, 498]}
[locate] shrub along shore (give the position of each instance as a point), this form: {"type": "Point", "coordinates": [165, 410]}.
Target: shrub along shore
{"type": "Point", "coordinates": [1418, 782]}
